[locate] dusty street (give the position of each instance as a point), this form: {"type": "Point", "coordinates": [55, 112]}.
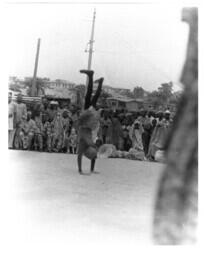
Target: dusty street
{"type": "Point", "coordinates": [116, 203]}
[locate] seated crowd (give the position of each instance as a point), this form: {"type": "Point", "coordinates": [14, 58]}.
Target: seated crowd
{"type": "Point", "coordinates": [50, 128]}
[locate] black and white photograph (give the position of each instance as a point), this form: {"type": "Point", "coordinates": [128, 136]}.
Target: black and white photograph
{"type": "Point", "coordinates": [102, 122]}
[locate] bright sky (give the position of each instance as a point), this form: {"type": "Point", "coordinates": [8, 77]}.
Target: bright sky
{"type": "Point", "coordinates": [135, 45]}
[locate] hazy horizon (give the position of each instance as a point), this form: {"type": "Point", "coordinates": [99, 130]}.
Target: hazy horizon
{"type": "Point", "coordinates": [135, 45]}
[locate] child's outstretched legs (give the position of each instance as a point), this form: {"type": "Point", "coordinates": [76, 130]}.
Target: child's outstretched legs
{"type": "Point", "coordinates": [98, 91]}
{"type": "Point", "coordinates": [89, 73]}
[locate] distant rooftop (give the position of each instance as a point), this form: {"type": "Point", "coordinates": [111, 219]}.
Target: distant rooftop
{"type": "Point", "coordinates": [58, 93]}
{"type": "Point", "coordinates": [124, 99]}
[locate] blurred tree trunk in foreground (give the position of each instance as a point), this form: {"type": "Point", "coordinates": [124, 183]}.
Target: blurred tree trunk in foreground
{"type": "Point", "coordinates": [176, 205]}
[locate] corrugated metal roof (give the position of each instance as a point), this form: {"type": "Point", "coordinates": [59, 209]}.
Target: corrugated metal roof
{"type": "Point", "coordinates": [26, 99]}
{"type": "Point", "coordinates": [58, 93]}
{"type": "Point", "coordinates": [124, 99]}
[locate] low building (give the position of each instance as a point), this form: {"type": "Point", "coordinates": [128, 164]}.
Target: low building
{"type": "Point", "coordinates": [163, 107]}
{"type": "Point", "coordinates": [62, 96]}
{"type": "Point", "coordinates": [59, 84]}
{"type": "Point", "coordinates": [121, 102]}
{"type": "Point", "coordinates": [113, 90]}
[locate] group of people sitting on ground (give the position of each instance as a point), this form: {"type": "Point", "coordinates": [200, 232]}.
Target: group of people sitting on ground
{"type": "Point", "coordinates": [49, 128]}
{"type": "Point", "coordinates": [143, 132]}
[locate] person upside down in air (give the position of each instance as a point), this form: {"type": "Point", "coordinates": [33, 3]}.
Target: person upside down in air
{"type": "Point", "coordinates": [88, 123]}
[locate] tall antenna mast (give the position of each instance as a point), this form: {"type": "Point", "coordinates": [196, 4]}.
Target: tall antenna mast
{"type": "Point", "coordinates": [90, 51]}
{"type": "Point", "coordinates": [91, 41]}
{"type": "Point", "coordinates": [33, 89]}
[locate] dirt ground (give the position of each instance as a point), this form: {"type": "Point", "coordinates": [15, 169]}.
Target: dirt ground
{"type": "Point", "coordinates": [50, 197]}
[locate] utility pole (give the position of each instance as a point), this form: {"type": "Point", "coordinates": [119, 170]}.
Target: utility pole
{"type": "Point", "coordinates": [33, 89]}
{"type": "Point", "coordinates": [90, 51]}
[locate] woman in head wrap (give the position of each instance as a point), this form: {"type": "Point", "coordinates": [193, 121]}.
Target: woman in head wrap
{"type": "Point", "coordinates": [136, 135]}
{"type": "Point", "coordinates": [137, 150]}
{"type": "Point", "coordinates": [158, 136]}
{"type": "Point", "coordinates": [117, 132]}
{"type": "Point", "coordinates": [58, 133]}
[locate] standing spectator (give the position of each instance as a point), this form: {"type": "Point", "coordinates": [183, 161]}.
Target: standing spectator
{"type": "Point", "coordinates": [109, 131]}
{"type": "Point", "coordinates": [21, 140]}
{"type": "Point", "coordinates": [38, 107]}
{"type": "Point", "coordinates": [158, 136]}
{"type": "Point", "coordinates": [154, 124]}
{"type": "Point", "coordinates": [48, 134]}
{"type": "Point", "coordinates": [167, 118]}
{"type": "Point", "coordinates": [44, 109]}
{"type": "Point", "coordinates": [123, 122]}
{"type": "Point", "coordinates": [21, 116]}
{"type": "Point", "coordinates": [73, 141]}
{"type": "Point", "coordinates": [66, 127]}
{"type": "Point", "coordinates": [38, 140]}
{"type": "Point", "coordinates": [105, 128]}
{"type": "Point", "coordinates": [75, 117]}
{"type": "Point", "coordinates": [153, 116]}
{"type": "Point", "coordinates": [130, 123]}
{"type": "Point", "coordinates": [146, 135]}
{"type": "Point", "coordinates": [136, 136]}
{"type": "Point", "coordinates": [52, 110]}
{"type": "Point", "coordinates": [30, 130]}
{"type": "Point", "coordinates": [25, 132]}
{"type": "Point", "coordinates": [61, 107]}
{"type": "Point", "coordinates": [58, 133]}
{"type": "Point", "coordinates": [21, 109]}
{"type": "Point", "coordinates": [142, 116]}
{"type": "Point", "coordinates": [11, 120]}
{"type": "Point", "coordinates": [117, 133]}
{"type": "Point", "coordinates": [127, 143]}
